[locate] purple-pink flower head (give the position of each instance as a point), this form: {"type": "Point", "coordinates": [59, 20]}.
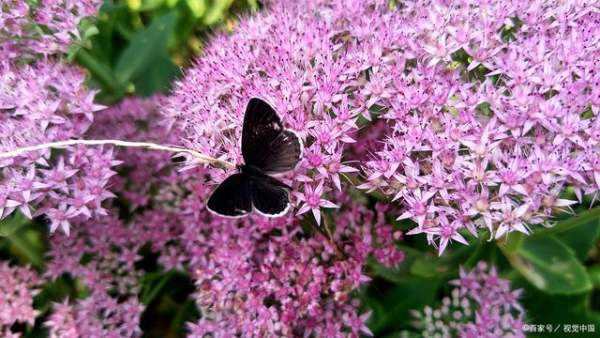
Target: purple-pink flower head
{"type": "Point", "coordinates": [112, 308]}
{"type": "Point", "coordinates": [254, 276]}
{"type": "Point", "coordinates": [491, 118]}
{"type": "Point", "coordinates": [112, 246]}
{"type": "Point", "coordinates": [42, 27]}
{"type": "Point", "coordinates": [44, 102]}
{"type": "Point", "coordinates": [282, 280]}
{"type": "Point", "coordinates": [19, 286]}
{"type": "Point", "coordinates": [309, 59]}
{"type": "Point", "coordinates": [477, 108]}
{"type": "Point", "coordinates": [480, 305]}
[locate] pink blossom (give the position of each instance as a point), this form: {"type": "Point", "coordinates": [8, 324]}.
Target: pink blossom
{"type": "Point", "coordinates": [48, 102]}
{"type": "Point", "coordinates": [492, 121]}
{"type": "Point", "coordinates": [481, 305]}
{"type": "Point", "coordinates": [19, 286]}
{"type": "Point", "coordinates": [311, 198]}
{"type": "Point", "coordinates": [45, 27]}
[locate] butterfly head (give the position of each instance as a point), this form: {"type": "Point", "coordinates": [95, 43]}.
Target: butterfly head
{"type": "Point", "coordinates": [250, 170]}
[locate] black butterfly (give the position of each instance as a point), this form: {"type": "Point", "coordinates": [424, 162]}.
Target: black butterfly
{"type": "Point", "coordinates": [267, 148]}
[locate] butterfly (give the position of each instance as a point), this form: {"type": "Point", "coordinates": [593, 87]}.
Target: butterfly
{"type": "Point", "coordinates": [267, 149]}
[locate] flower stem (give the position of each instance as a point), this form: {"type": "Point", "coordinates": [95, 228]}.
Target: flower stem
{"type": "Point", "coordinates": [199, 157]}
{"type": "Point", "coordinates": [101, 72]}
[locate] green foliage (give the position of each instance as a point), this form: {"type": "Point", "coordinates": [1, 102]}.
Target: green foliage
{"type": "Point", "coordinates": [550, 265]}
{"type": "Point", "coordinates": [22, 240]}
{"type": "Point", "coordinates": [145, 61]}
{"type": "Point", "coordinates": [558, 268]}
{"type": "Point", "coordinates": [391, 306]}
{"type": "Point", "coordinates": [12, 224]}
{"type": "Point", "coordinates": [137, 47]}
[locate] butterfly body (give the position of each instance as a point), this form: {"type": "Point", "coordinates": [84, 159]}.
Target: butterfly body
{"type": "Point", "coordinates": [251, 170]}
{"type": "Point", "coordinates": [257, 174]}
{"type": "Point", "coordinates": [267, 149]}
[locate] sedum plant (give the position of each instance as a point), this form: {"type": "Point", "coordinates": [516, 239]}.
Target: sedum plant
{"type": "Point", "coordinates": [454, 121]}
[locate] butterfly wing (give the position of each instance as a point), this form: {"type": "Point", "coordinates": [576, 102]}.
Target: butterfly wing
{"type": "Point", "coordinates": [269, 197]}
{"type": "Point", "coordinates": [232, 198]}
{"type": "Point", "coordinates": [265, 143]}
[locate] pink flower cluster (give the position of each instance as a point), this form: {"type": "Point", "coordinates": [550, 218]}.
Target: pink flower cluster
{"type": "Point", "coordinates": [18, 287]}
{"type": "Point", "coordinates": [110, 251]}
{"type": "Point", "coordinates": [111, 247]}
{"type": "Point", "coordinates": [97, 316]}
{"type": "Point", "coordinates": [482, 305]}
{"type": "Point", "coordinates": [136, 119]}
{"type": "Point", "coordinates": [296, 56]}
{"type": "Point", "coordinates": [492, 116]}
{"type": "Point", "coordinates": [43, 27]}
{"type": "Point", "coordinates": [44, 102]}
{"type": "Point", "coordinates": [273, 278]}
{"type": "Point", "coordinates": [254, 276]}
{"type": "Point", "coordinates": [490, 109]}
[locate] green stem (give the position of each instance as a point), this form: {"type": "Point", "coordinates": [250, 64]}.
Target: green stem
{"type": "Point", "coordinates": [100, 71]}
{"type": "Point", "coordinates": [125, 32]}
{"type": "Point", "coordinates": [149, 297]}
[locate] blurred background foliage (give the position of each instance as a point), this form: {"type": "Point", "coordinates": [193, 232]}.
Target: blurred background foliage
{"type": "Point", "coordinates": [138, 47]}
{"type": "Point", "coordinates": [558, 269]}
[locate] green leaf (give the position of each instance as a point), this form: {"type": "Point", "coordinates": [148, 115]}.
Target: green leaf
{"type": "Point", "coordinates": [431, 266]}
{"type": "Point", "coordinates": [543, 308]}
{"type": "Point", "coordinates": [570, 223]}
{"type": "Point", "coordinates": [12, 224]}
{"type": "Point", "coordinates": [89, 32]}
{"type": "Point", "coordinates": [549, 265]}
{"type": "Point", "coordinates": [158, 78]}
{"type": "Point", "coordinates": [26, 244]}
{"type": "Point", "coordinates": [216, 12]}
{"type": "Point", "coordinates": [100, 71]}
{"type": "Point", "coordinates": [198, 7]}
{"type": "Point", "coordinates": [582, 238]}
{"type": "Point", "coordinates": [156, 282]}
{"type": "Point", "coordinates": [149, 5]}
{"type": "Point", "coordinates": [146, 49]}
{"type": "Point", "coordinates": [594, 273]}
{"type": "Point", "coordinates": [394, 305]}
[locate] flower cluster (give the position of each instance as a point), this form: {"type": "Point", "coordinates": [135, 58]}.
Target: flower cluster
{"type": "Point", "coordinates": [112, 309]}
{"type": "Point", "coordinates": [96, 316]}
{"type": "Point", "coordinates": [136, 119]}
{"type": "Point", "coordinates": [490, 110]}
{"type": "Point", "coordinates": [110, 247]}
{"type": "Point", "coordinates": [482, 305]}
{"type": "Point", "coordinates": [43, 27]}
{"type": "Point", "coordinates": [301, 57]}
{"type": "Point", "coordinates": [494, 118]}
{"type": "Point", "coordinates": [273, 278]}
{"type": "Point", "coordinates": [43, 102]}
{"type": "Point", "coordinates": [18, 287]}
{"type": "Point", "coordinates": [258, 276]}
